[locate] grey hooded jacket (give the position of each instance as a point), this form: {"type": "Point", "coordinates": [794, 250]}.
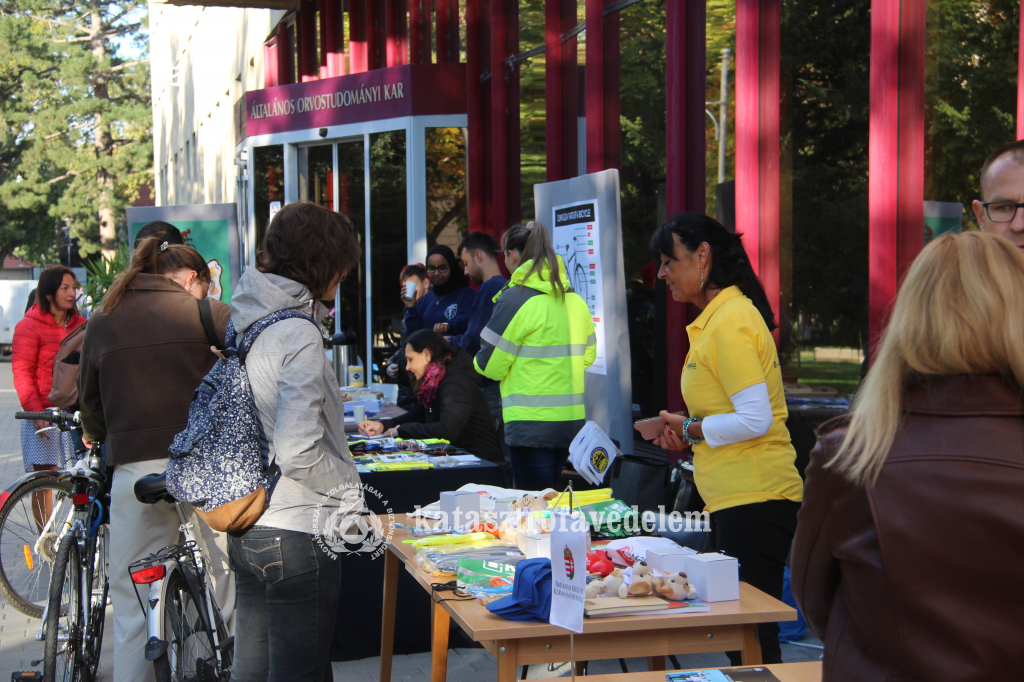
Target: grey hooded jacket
{"type": "Point", "coordinates": [299, 403]}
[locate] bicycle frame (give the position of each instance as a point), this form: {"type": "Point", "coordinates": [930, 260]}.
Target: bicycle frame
{"type": "Point", "coordinates": [184, 556]}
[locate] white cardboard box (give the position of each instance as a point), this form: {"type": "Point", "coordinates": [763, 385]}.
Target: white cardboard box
{"type": "Point", "coordinates": [716, 577]}
{"type": "Point", "coordinates": [537, 546]}
{"type": "Point", "coordinates": [460, 509]}
{"type": "Point", "coordinates": [503, 508]}
{"type": "Point", "coordinates": [668, 559]}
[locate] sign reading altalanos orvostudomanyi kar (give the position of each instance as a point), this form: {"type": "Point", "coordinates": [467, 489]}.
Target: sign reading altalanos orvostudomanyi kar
{"type": "Point", "coordinates": [411, 90]}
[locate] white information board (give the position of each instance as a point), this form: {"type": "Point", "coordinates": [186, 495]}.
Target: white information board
{"type": "Point", "coordinates": [583, 215]}
{"type": "Point", "coordinates": [577, 240]}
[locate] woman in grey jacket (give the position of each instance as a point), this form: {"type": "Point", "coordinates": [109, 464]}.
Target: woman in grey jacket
{"type": "Point", "coordinates": [287, 576]}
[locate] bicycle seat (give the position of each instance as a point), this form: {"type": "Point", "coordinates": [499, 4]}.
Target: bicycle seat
{"type": "Point", "coordinates": [152, 488]}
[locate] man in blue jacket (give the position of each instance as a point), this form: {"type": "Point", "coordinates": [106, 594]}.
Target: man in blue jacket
{"type": "Point", "coordinates": [479, 255]}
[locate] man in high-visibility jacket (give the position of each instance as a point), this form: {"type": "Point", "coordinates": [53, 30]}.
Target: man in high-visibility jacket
{"type": "Point", "coordinates": [538, 343]}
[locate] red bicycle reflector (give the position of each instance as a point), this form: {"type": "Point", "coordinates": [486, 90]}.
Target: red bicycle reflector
{"type": "Point", "coordinates": [79, 500]}
{"type": "Point", "coordinates": [3, 498]}
{"type": "Point", "coordinates": [149, 575]}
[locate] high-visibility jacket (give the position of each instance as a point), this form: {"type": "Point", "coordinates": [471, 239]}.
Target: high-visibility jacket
{"type": "Point", "coordinates": [537, 344]}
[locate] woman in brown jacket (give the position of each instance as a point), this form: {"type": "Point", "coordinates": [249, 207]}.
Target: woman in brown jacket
{"type": "Point", "coordinates": [145, 352]}
{"type": "Point", "coordinates": [908, 553]}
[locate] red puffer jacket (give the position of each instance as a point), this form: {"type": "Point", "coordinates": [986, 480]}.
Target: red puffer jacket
{"type": "Point", "coordinates": [36, 341]}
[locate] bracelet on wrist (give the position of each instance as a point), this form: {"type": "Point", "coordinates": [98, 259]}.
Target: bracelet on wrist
{"type": "Point", "coordinates": [691, 440]}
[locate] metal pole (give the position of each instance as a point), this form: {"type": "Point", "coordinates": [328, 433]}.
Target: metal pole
{"type": "Point", "coordinates": [723, 113]}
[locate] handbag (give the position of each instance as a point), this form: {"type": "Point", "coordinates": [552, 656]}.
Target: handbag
{"type": "Point", "coordinates": [64, 389]}
{"type": "Point", "coordinates": [641, 481]}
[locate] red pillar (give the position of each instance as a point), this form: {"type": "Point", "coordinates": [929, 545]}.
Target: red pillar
{"type": "Point", "coordinates": [561, 91]}
{"type": "Point", "coordinates": [372, 35]}
{"type": "Point", "coordinates": [895, 151]}
{"type": "Point", "coordinates": [285, 70]}
{"type": "Point", "coordinates": [308, 64]}
{"type": "Point", "coordinates": [499, 115]}
{"type": "Point", "coordinates": [602, 85]}
{"type": "Point", "coordinates": [441, 19]}
{"type": "Point", "coordinates": [329, 37]}
{"type": "Point", "coordinates": [391, 33]}
{"type": "Point", "coordinates": [1020, 77]}
{"type": "Point", "coordinates": [757, 138]}
{"type": "Point", "coordinates": [474, 110]}
{"type": "Point", "coordinates": [684, 156]}
{"type": "Point", "coordinates": [270, 65]}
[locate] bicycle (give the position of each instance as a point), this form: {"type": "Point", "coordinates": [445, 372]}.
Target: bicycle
{"type": "Point", "coordinates": [75, 610]}
{"type": "Point", "coordinates": [188, 639]}
{"type": "Point", "coordinates": [35, 511]}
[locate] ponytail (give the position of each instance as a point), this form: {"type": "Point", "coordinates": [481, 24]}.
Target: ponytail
{"type": "Point", "coordinates": [729, 263]}
{"type": "Point", "coordinates": [155, 257]}
{"type": "Point", "coordinates": [533, 243]}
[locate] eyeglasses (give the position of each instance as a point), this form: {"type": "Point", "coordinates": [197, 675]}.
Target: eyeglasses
{"type": "Point", "coordinates": [439, 268]}
{"type": "Point", "coordinates": [1001, 211]}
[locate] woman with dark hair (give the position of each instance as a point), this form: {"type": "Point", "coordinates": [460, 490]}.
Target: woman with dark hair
{"type": "Point", "coordinates": [538, 343]}
{"type": "Point", "coordinates": [36, 341]}
{"type": "Point", "coordinates": [446, 307]}
{"type": "Point", "coordinates": [732, 384]}
{"type": "Point", "coordinates": [451, 405]}
{"type": "Point", "coordinates": [288, 582]}
{"type": "Point", "coordinates": [145, 351]}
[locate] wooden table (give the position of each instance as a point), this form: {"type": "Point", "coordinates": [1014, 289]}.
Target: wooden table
{"type": "Point", "coordinates": [729, 626]}
{"type": "Point", "coordinates": [786, 672]}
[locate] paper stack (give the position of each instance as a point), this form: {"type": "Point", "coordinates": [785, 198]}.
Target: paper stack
{"type": "Point", "coordinates": [592, 452]}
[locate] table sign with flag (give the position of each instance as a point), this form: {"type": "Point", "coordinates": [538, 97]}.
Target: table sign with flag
{"type": "Point", "coordinates": [568, 570]}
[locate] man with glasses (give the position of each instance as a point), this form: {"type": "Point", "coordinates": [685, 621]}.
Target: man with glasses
{"type": "Point", "coordinates": [1002, 194]}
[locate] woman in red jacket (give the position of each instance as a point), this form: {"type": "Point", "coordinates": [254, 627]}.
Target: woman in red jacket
{"type": "Point", "coordinates": [36, 341]}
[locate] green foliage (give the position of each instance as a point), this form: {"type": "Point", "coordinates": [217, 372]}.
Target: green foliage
{"type": "Point", "coordinates": [102, 273]}
{"type": "Point", "coordinates": [826, 70]}
{"type": "Point", "coordinates": [76, 139]}
{"type": "Point", "coordinates": [971, 94]}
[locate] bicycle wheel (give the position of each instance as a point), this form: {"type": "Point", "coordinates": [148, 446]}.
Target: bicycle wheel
{"type": "Point", "coordinates": [63, 646]}
{"type": "Point", "coordinates": [92, 644]}
{"type": "Point", "coordinates": [26, 559]}
{"type": "Point", "coordinates": [190, 652]}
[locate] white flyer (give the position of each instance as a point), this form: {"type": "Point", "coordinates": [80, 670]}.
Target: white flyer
{"type": "Point", "coordinates": [577, 239]}
{"type": "Point", "coordinates": [568, 570]}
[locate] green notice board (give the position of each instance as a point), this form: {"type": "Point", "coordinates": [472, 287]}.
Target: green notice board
{"type": "Point", "coordinates": [211, 229]}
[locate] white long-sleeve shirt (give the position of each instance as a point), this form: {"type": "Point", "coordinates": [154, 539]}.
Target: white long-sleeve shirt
{"type": "Point", "coordinates": [752, 418]}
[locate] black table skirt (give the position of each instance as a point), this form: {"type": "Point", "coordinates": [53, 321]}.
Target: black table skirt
{"type": "Point", "coordinates": [357, 630]}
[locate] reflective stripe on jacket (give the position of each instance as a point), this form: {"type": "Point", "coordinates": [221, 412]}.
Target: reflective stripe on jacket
{"type": "Point", "coordinates": [538, 344]}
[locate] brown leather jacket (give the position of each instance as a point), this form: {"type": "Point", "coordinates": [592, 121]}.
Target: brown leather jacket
{"type": "Point", "coordinates": [921, 576]}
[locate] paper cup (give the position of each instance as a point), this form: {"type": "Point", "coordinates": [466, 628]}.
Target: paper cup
{"type": "Point", "coordinates": [410, 289]}
{"type": "Point", "coordinates": [359, 412]}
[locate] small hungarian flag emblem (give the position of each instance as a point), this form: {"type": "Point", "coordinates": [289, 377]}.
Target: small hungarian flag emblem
{"type": "Point", "coordinates": [570, 566]}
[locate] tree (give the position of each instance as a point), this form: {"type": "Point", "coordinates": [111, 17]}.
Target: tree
{"type": "Point", "coordinates": [86, 147]}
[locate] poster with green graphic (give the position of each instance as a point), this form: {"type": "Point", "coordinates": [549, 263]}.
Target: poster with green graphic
{"type": "Point", "coordinates": [211, 229]}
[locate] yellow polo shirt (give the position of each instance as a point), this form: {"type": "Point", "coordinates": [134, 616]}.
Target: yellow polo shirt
{"type": "Point", "coordinates": [731, 349]}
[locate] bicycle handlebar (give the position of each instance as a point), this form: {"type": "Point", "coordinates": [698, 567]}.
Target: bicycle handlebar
{"type": "Point", "coordinates": [58, 417]}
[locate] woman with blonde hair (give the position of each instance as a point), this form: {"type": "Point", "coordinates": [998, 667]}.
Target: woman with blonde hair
{"type": "Point", "coordinates": [928, 466]}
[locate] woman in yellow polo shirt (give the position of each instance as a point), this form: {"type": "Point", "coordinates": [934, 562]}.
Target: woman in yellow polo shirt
{"type": "Point", "coordinates": [743, 460]}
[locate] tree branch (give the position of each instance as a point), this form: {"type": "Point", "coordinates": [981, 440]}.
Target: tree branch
{"type": "Point", "coordinates": [449, 216]}
{"type": "Point", "coordinates": [110, 22]}
{"type": "Point", "coordinates": [56, 22]}
{"type": "Point", "coordinates": [128, 64]}
{"type": "Point", "coordinates": [67, 175]}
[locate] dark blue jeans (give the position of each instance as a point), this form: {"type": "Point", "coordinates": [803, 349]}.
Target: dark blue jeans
{"type": "Point", "coordinates": [537, 468]}
{"type": "Point", "coordinates": [287, 599]}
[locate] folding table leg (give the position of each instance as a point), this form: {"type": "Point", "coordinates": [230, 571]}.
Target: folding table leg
{"type": "Point", "coordinates": [439, 645]}
{"type": "Point", "coordinates": [387, 627]}
{"type": "Point", "coordinates": [751, 646]}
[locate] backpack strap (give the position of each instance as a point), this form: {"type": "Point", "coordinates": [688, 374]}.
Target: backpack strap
{"type": "Point", "coordinates": [257, 328]}
{"type": "Point", "coordinates": [206, 316]}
